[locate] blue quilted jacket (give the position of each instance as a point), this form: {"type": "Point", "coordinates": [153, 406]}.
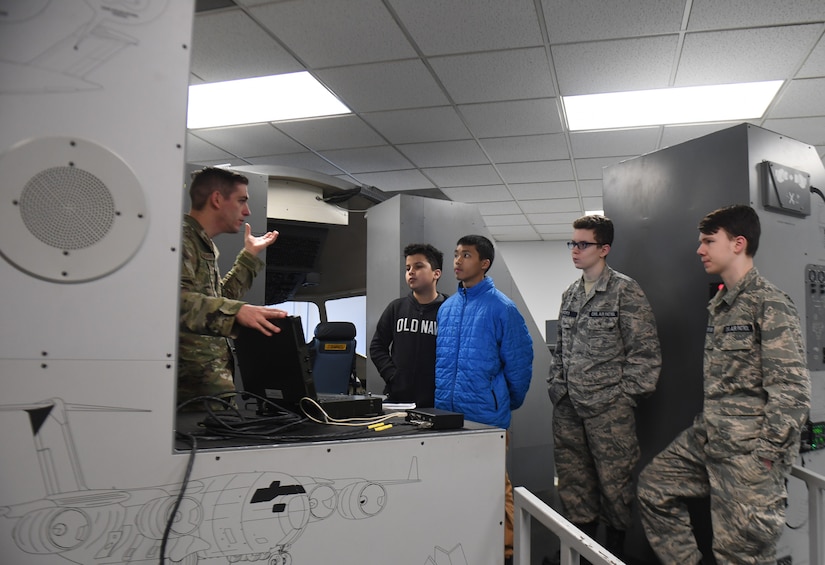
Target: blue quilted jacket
{"type": "Point", "coordinates": [484, 355]}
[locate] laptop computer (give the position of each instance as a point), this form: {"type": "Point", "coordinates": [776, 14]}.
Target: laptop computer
{"type": "Point", "coordinates": [278, 368]}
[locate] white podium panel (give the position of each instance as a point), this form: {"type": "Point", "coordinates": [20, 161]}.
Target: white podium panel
{"type": "Point", "coordinates": [90, 476]}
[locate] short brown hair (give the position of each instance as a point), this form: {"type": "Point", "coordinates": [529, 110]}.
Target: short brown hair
{"type": "Point", "coordinates": [737, 220]}
{"type": "Point", "coordinates": [208, 180]}
{"type": "Point", "coordinates": [602, 227]}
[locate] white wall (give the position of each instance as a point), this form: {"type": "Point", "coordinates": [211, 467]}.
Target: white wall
{"type": "Point", "coordinates": [542, 270]}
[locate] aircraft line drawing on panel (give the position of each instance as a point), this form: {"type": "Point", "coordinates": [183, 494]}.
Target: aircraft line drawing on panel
{"type": "Point", "coordinates": [65, 40]}
{"type": "Point", "coordinates": [249, 516]}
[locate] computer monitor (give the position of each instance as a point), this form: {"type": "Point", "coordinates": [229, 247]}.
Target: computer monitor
{"type": "Point", "coordinates": [276, 367]}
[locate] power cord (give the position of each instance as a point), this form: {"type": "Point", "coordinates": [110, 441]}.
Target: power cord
{"type": "Point", "coordinates": [186, 476]}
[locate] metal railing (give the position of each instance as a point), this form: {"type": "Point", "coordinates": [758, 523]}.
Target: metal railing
{"type": "Point", "coordinates": [816, 512]}
{"type": "Point", "coordinates": [574, 542]}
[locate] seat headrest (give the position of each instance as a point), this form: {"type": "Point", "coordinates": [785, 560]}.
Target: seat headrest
{"type": "Point", "coordinates": [335, 330]}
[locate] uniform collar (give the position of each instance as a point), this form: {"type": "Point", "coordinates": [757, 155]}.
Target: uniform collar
{"type": "Point", "coordinates": [728, 295]}
{"type": "Point", "coordinates": [601, 283]}
{"type": "Point", "coordinates": [201, 233]}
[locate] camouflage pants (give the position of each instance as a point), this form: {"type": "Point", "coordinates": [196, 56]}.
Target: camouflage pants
{"type": "Point", "coordinates": [594, 460]}
{"type": "Point", "coordinates": [747, 502]}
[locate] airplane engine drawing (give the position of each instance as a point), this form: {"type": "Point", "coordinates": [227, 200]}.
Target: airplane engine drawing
{"type": "Point", "coordinates": [250, 515]}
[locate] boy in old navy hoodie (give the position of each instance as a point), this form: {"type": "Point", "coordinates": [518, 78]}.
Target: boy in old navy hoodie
{"type": "Point", "coordinates": [403, 347]}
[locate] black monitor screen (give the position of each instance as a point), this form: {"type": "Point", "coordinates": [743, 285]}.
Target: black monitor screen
{"type": "Point", "coordinates": [276, 367]}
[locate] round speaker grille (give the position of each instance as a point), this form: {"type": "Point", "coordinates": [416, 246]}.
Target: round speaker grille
{"type": "Point", "coordinates": [71, 210]}
{"type": "Point", "coordinates": [67, 208]}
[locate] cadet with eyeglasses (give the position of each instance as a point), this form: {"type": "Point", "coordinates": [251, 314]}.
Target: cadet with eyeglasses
{"type": "Point", "coordinates": [607, 357]}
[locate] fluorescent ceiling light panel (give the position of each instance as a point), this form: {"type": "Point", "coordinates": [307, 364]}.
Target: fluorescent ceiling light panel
{"type": "Point", "coordinates": [693, 104]}
{"type": "Point", "coordinates": [262, 99]}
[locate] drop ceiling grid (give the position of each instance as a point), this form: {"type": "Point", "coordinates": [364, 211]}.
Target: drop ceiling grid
{"type": "Point", "coordinates": [490, 92]}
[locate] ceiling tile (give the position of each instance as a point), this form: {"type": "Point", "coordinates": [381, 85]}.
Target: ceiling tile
{"type": "Point", "coordinates": [338, 132]}
{"type": "Point", "coordinates": [250, 140]}
{"type": "Point", "coordinates": [229, 45]}
{"type": "Point", "coordinates": [395, 180]}
{"type": "Point", "coordinates": [588, 20]}
{"type": "Point", "coordinates": [673, 135]}
{"type": "Point", "coordinates": [444, 153]}
{"type": "Point", "coordinates": [591, 188]}
{"type": "Point", "coordinates": [481, 116]}
{"type": "Point", "coordinates": [526, 148]}
{"type": "Point", "coordinates": [498, 208]}
{"type": "Point", "coordinates": [536, 171]}
{"type": "Point", "coordinates": [563, 230]}
{"type": "Point", "coordinates": [553, 205]}
{"type": "Point", "coordinates": [324, 33]}
{"type": "Point", "coordinates": [198, 150]}
{"type": "Point", "coordinates": [805, 97]}
{"type": "Point", "coordinates": [411, 126]}
{"type": "Point", "coordinates": [518, 117]}
{"type": "Point", "coordinates": [806, 130]}
{"type": "Point", "coordinates": [513, 233]}
{"type": "Point", "coordinates": [615, 143]}
{"type": "Point", "coordinates": [593, 203]}
{"type": "Point", "coordinates": [367, 159]}
{"type": "Point", "coordinates": [506, 220]}
{"type": "Point", "coordinates": [712, 14]}
{"type": "Point", "coordinates": [471, 175]}
{"type": "Point", "coordinates": [459, 26]}
{"type": "Point", "coordinates": [306, 160]}
{"type": "Point", "coordinates": [614, 66]}
{"type": "Point", "coordinates": [539, 190]}
{"type": "Point", "coordinates": [589, 169]}
{"type": "Point", "coordinates": [495, 193]}
{"type": "Point", "coordinates": [519, 74]}
{"type": "Point", "coordinates": [815, 64]}
{"type": "Point", "coordinates": [384, 86]}
{"type": "Point", "coordinates": [555, 218]}
{"type": "Point", "coordinates": [746, 55]}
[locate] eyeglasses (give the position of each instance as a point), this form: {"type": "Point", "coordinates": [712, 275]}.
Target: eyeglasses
{"type": "Point", "coordinates": [582, 245]}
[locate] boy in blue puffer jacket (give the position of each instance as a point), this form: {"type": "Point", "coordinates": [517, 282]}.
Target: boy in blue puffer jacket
{"type": "Point", "coordinates": [484, 353]}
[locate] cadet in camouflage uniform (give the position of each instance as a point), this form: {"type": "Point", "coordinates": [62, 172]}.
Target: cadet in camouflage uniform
{"type": "Point", "coordinates": [740, 449]}
{"type": "Point", "coordinates": [607, 357]}
{"type": "Point", "coordinates": [210, 311]}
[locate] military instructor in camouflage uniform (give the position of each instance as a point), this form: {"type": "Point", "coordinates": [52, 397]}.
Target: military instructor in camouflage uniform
{"type": "Point", "coordinates": [741, 447]}
{"type": "Point", "coordinates": [210, 309]}
{"type": "Point", "coordinates": [607, 357]}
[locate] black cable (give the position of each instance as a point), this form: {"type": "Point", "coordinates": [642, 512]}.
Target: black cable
{"type": "Point", "coordinates": [190, 464]}
{"type": "Point", "coordinates": [815, 190]}
{"type": "Point", "coordinates": [231, 423]}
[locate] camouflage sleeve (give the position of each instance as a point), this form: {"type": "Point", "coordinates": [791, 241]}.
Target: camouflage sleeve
{"type": "Point", "coordinates": [208, 315]}
{"type": "Point", "coordinates": [643, 357]}
{"type": "Point", "coordinates": [556, 386]}
{"type": "Point", "coordinates": [785, 379]}
{"type": "Point", "coordinates": [201, 310]}
{"type": "Point", "coordinates": [238, 280]}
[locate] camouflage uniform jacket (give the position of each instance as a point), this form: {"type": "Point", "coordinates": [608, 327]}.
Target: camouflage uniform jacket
{"type": "Point", "coordinates": [607, 344]}
{"type": "Point", "coordinates": [208, 305]}
{"type": "Point", "coordinates": [757, 386]}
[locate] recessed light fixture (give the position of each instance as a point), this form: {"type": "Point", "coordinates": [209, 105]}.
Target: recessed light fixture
{"type": "Point", "coordinates": [594, 212]}
{"type": "Point", "coordinates": [262, 99]}
{"type": "Point", "coordinates": [692, 104]}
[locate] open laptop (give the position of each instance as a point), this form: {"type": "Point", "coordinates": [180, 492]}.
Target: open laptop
{"type": "Point", "coordinates": [278, 368]}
